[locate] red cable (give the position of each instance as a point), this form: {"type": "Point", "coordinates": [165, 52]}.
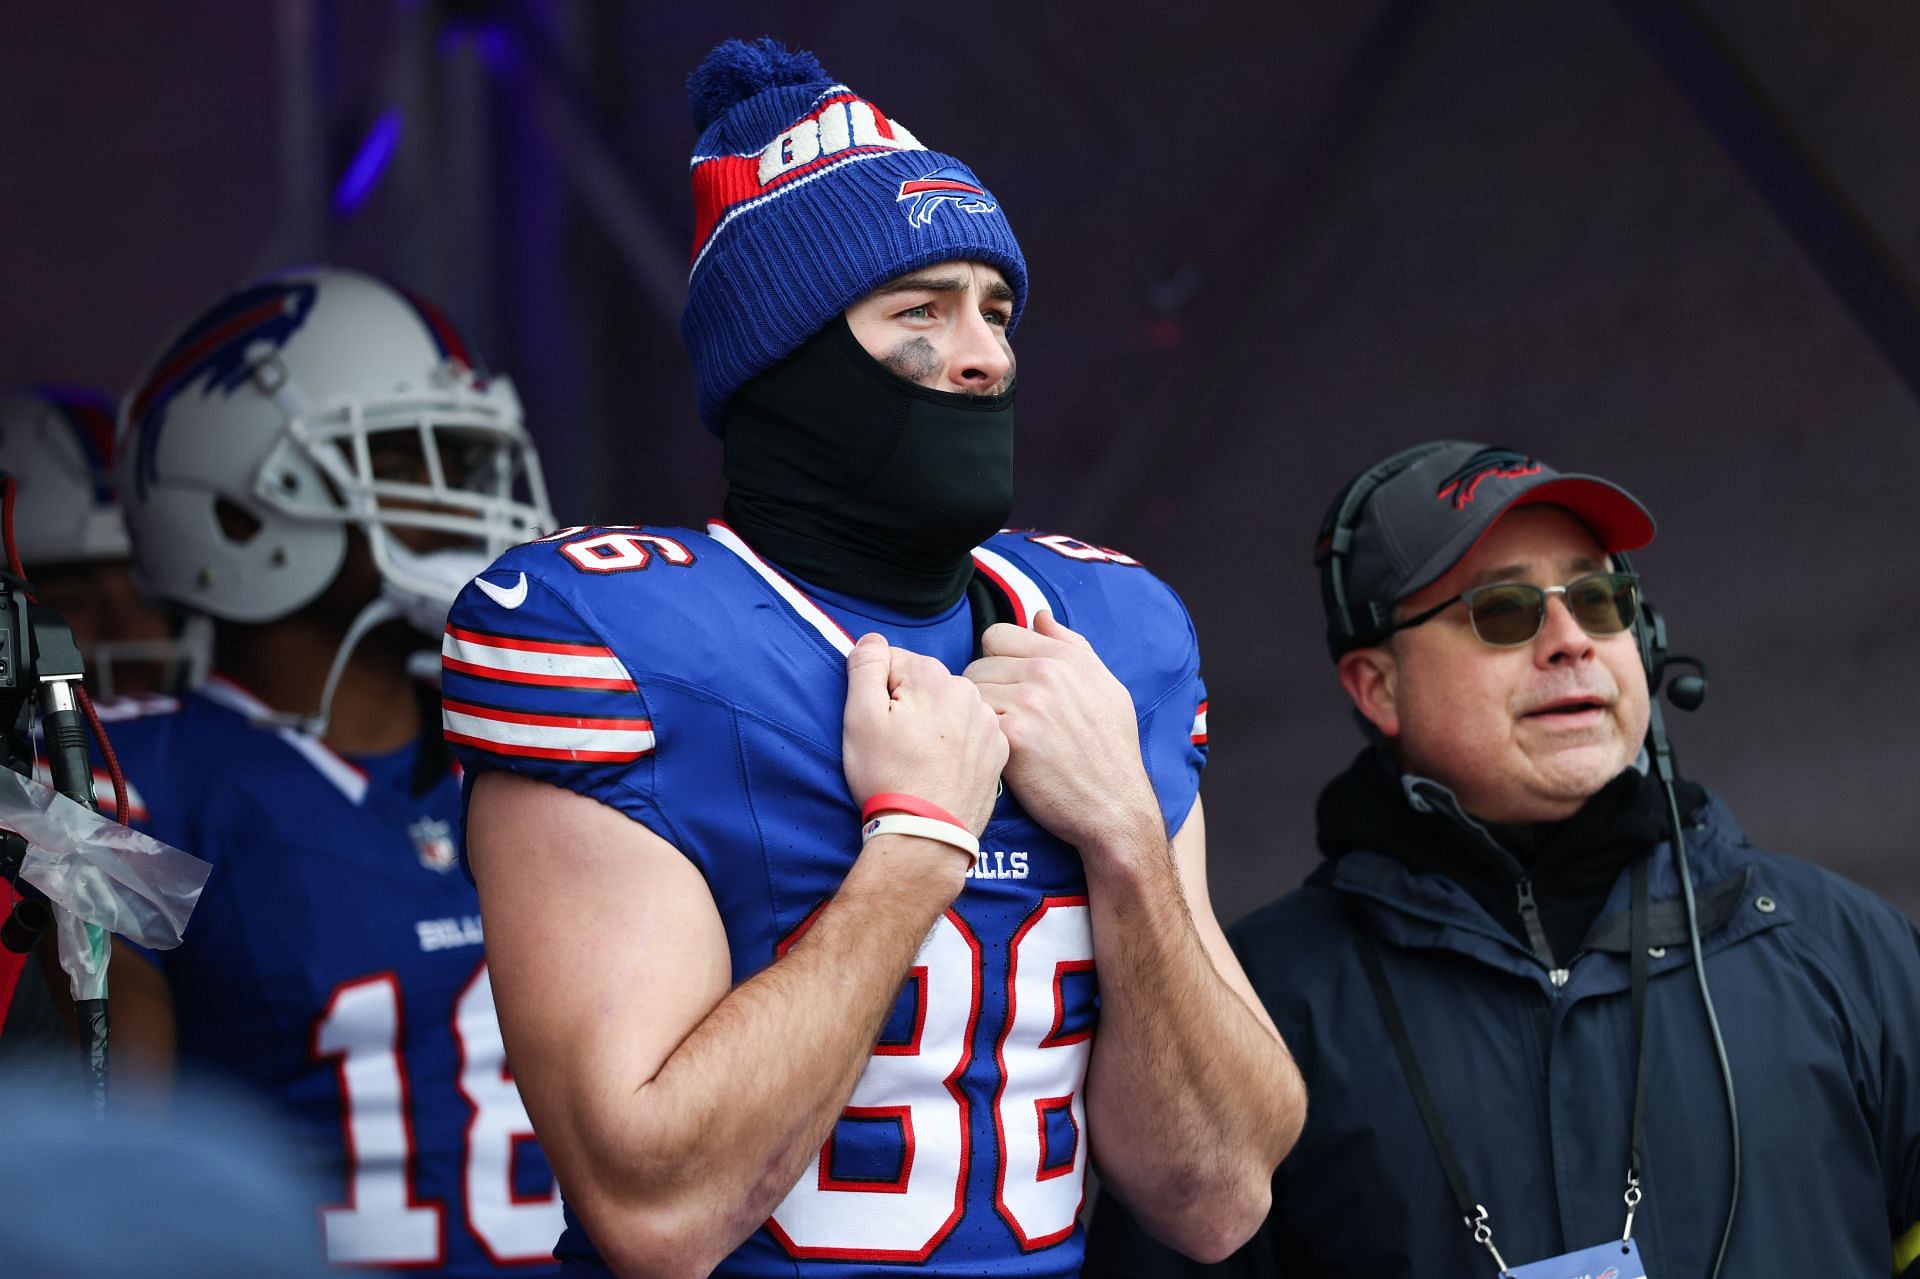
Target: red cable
{"type": "Point", "coordinates": [106, 749]}
{"type": "Point", "coordinates": [86, 701]}
{"type": "Point", "coordinates": [6, 528]}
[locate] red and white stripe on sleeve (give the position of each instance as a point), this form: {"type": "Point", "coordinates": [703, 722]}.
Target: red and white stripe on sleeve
{"type": "Point", "coordinates": [539, 735]}
{"type": "Point", "coordinates": [540, 663]}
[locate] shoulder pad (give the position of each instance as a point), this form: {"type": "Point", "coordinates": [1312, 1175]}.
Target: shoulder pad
{"type": "Point", "coordinates": [1133, 619]}
{"type": "Point", "coordinates": [665, 601]}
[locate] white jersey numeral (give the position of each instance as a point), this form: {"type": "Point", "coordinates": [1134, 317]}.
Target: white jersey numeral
{"type": "Point", "coordinates": [510, 1228]}
{"type": "Point", "coordinates": [382, 1223]}
{"type": "Point", "coordinates": [1042, 1069]}
{"type": "Point", "coordinates": [1086, 552]}
{"type": "Point", "coordinates": [624, 551]}
{"type": "Point", "coordinates": [1039, 1185]}
{"type": "Point", "coordinates": [918, 1085]}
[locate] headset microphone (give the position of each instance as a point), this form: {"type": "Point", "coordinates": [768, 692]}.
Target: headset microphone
{"type": "Point", "coordinates": [1686, 692]}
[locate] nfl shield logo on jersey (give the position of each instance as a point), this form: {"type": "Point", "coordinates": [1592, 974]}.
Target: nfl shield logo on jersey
{"type": "Point", "coordinates": [433, 840]}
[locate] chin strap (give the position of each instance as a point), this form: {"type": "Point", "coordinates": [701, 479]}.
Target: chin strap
{"type": "Point", "coordinates": [378, 611]}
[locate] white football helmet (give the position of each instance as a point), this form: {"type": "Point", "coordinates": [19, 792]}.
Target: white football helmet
{"type": "Point", "coordinates": [272, 423]}
{"type": "Point", "coordinates": [57, 444]}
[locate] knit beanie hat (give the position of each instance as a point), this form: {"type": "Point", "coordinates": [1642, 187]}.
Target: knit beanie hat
{"type": "Point", "coordinates": [807, 198]}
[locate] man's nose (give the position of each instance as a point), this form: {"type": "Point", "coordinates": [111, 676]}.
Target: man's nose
{"type": "Point", "coordinates": [981, 358]}
{"type": "Point", "coordinates": [1561, 638]}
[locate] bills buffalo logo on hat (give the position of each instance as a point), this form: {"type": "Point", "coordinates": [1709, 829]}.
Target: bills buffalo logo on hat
{"type": "Point", "coordinates": [1458, 488]}
{"type": "Point", "coordinates": [222, 346]}
{"type": "Point", "coordinates": [951, 185]}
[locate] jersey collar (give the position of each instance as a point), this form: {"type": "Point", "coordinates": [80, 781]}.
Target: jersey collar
{"type": "Point", "coordinates": [349, 778]}
{"type": "Point", "coordinates": [1021, 589]}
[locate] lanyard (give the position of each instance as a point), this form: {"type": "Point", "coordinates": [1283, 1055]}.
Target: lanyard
{"type": "Point", "coordinates": [1471, 1211]}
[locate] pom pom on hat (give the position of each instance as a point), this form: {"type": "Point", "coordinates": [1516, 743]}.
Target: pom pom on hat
{"type": "Point", "coordinates": [738, 69]}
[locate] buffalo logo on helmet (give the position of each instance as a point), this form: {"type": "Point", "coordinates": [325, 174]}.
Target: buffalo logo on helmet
{"type": "Point", "coordinates": [223, 346]}
{"type": "Point", "coordinates": [951, 185]}
{"type": "Point", "coordinates": [1458, 488]}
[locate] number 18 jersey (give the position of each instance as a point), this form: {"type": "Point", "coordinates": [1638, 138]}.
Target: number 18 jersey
{"type": "Point", "coordinates": [334, 966]}
{"type": "Point", "coordinates": [686, 682]}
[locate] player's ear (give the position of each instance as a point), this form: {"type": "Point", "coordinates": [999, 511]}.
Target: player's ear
{"type": "Point", "coordinates": [1371, 677]}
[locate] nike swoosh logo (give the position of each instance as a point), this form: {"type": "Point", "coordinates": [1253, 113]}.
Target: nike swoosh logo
{"type": "Point", "coordinates": [505, 596]}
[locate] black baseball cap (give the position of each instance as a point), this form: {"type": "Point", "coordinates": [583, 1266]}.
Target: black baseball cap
{"type": "Point", "coordinates": [1402, 524]}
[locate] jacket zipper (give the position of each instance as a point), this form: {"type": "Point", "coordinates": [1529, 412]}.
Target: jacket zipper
{"type": "Point", "coordinates": [1536, 934]}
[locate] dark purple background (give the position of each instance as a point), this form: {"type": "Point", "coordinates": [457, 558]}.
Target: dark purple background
{"type": "Point", "coordinates": [1269, 243]}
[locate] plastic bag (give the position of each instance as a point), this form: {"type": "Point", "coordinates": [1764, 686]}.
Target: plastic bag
{"type": "Point", "coordinates": [101, 872]}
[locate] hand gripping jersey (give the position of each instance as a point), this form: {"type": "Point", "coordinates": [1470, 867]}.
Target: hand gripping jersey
{"type": "Point", "coordinates": [685, 682]}
{"type": "Point", "coordinates": [334, 964]}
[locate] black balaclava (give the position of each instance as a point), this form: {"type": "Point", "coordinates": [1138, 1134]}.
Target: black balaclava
{"type": "Point", "coordinates": [854, 479]}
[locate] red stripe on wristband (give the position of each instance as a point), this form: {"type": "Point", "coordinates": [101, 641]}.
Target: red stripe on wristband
{"type": "Point", "coordinates": [912, 805]}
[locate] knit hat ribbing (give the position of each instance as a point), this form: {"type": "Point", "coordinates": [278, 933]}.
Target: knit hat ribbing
{"type": "Point", "coordinates": [807, 198]}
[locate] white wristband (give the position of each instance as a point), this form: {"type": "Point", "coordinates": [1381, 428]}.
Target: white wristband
{"type": "Point", "coordinates": [925, 827]}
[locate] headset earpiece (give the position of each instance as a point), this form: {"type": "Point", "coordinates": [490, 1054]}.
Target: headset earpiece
{"type": "Point", "coordinates": [1335, 541]}
{"type": "Point", "coordinates": [1686, 692]}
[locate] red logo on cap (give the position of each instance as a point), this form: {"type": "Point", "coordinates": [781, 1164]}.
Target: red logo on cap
{"type": "Point", "coordinates": [1505, 464]}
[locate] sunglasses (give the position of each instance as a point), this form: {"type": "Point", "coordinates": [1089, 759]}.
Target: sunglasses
{"type": "Point", "coordinates": [1509, 614]}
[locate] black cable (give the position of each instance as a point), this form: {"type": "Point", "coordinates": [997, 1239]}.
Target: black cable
{"type": "Point", "coordinates": [1706, 1000]}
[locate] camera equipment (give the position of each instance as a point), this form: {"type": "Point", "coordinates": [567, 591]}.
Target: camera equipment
{"type": "Point", "coordinates": [40, 680]}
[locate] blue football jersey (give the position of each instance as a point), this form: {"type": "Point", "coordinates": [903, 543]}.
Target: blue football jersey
{"type": "Point", "coordinates": [334, 964]}
{"type": "Point", "coordinates": [686, 682]}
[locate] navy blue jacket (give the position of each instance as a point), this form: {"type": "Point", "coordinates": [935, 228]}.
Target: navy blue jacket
{"type": "Point", "coordinates": [1817, 985]}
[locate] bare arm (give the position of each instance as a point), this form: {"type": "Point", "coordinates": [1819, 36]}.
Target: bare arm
{"type": "Point", "coordinates": [678, 1112]}
{"type": "Point", "coordinates": [1192, 1098]}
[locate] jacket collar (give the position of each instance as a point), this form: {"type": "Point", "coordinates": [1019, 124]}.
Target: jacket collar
{"type": "Point", "coordinates": [1426, 910]}
{"type": "Point", "coordinates": [1541, 884]}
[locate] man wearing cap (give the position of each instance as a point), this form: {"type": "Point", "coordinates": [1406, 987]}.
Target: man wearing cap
{"type": "Point", "coordinates": [1491, 982]}
{"type": "Point", "coordinates": [816, 956]}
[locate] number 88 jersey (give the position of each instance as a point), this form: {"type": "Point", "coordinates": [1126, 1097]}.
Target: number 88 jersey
{"type": "Point", "coordinates": [686, 682]}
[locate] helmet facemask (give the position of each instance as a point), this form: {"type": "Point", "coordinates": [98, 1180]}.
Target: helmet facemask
{"type": "Point", "coordinates": [440, 483]}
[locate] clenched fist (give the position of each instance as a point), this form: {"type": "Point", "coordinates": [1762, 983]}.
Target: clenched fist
{"type": "Point", "coordinates": [914, 727]}
{"type": "Point", "coordinates": [1074, 740]}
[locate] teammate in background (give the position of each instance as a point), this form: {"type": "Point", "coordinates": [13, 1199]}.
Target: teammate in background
{"type": "Point", "coordinates": [317, 463]}
{"type": "Point", "coordinates": [1501, 924]}
{"type": "Point", "coordinates": [748, 1039]}
{"type": "Point", "coordinates": [57, 445]}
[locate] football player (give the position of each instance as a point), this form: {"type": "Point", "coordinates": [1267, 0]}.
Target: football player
{"type": "Point", "coordinates": [317, 462]}
{"type": "Point", "coordinates": [57, 444]}
{"type": "Point", "coordinates": [748, 1039]}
